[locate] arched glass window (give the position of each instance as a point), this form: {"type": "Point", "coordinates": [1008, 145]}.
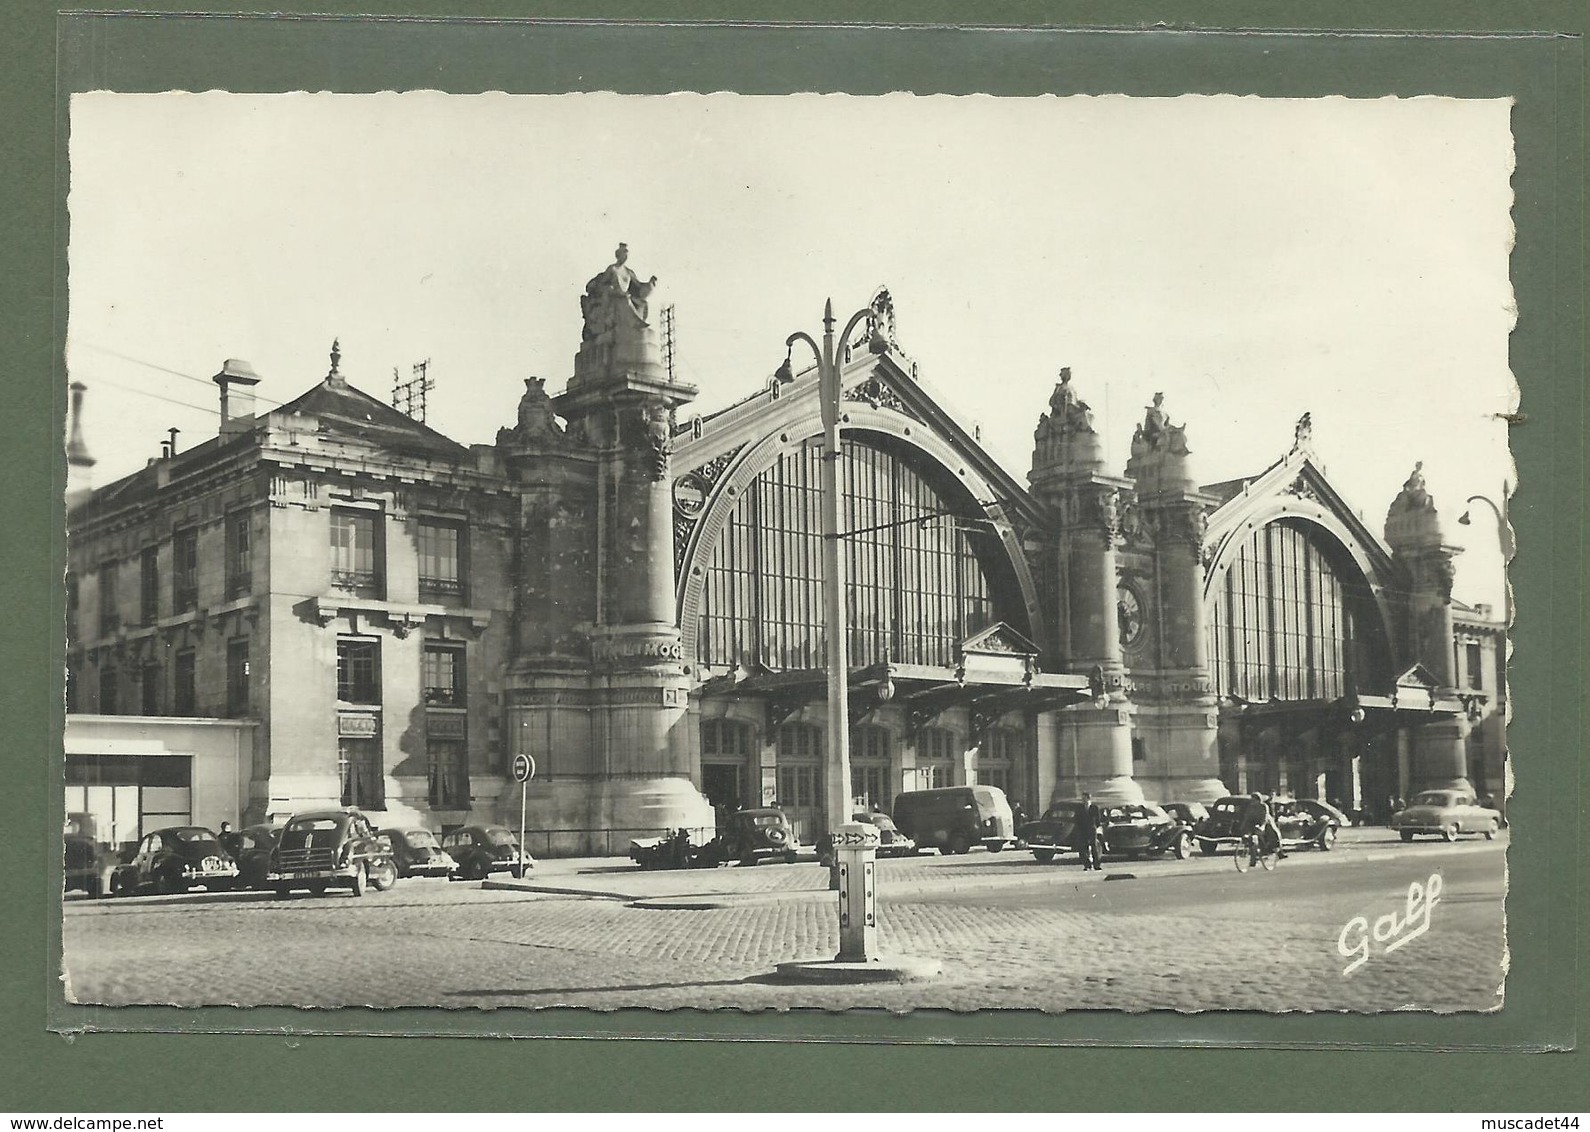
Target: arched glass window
{"type": "Point", "coordinates": [917, 583]}
{"type": "Point", "coordinates": [1293, 620]}
{"type": "Point", "coordinates": [936, 752]}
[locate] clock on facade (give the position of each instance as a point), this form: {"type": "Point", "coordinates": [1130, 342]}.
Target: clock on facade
{"type": "Point", "coordinates": [1129, 612]}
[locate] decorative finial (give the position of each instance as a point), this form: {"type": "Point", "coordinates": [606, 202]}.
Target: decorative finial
{"type": "Point", "coordinates": [336, 357]}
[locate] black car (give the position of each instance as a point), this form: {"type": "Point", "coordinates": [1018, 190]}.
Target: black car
{"type": "Point", "coordinates": [1139, 828]}
{"type": "Point", "coordinates": [330, 849]}
{"type": "Point", "coordinates": [418, 853]}
{"type": "Point", "coordinates": [480, 850]}
{"type": "Point", "coordinates": [1052, 833]}
{"type": "Point", "coordinates": [1193, 815]}
{"type": "Point", "coordinates": [755, 835]}
{"type": "Point", "coordinates": [176, 859]}
{"type": "Point", "coordinates": [1302, 825]}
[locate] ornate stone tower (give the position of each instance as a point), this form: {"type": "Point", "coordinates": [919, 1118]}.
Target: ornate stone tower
{"type": "Point", "coordinates": [1092, 743]}
{"type": "Point", "coordinates": [1178, 719]}
{"type": "Point", "coordinates": [597, 691]}
{"type": "Point", "coordinates": [1413, 531]}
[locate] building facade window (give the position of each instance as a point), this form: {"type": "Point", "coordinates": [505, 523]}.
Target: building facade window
{"type": "Point", "coordinates": [239, 555]}
{"type": "Point", "coordinates": [107, 691]}
{"type": "Point", "coordinates": [359, 671]}
{"type": "Point", "coordinates": [936, 750]}
{"type": "Point", "coordinates": [109, 611]}
{"type": "Point", "coordinates": [999, 759]}
{"type": "Point", "coordinates": [359, 768]}
{"type": "Point", "coordinates": [442, 548]}
{"type": "Point", "coordinates": [447, 756]}
{"type": "Point", "coordinates": [237, 677]}
{"type": "Point", "coordinates": [801, 780]}
{"type": "Point", "coordinates": [1474, 655]}
{"type": "Point", "coordinates": [185, 570]}
{"type": "Point", "coordinates": [149, 690]}
{"type": "Point", "coordinates": [149, 585]}
{"type": "Point", "coordinates": [443, 675]}
{"type": "Point", "coordinates": [916, 588]}
{"type": "Point", "coordinates": [356, 552]}
{"type": "Point", "coordinates": [183, 689]}
{"type": "Point", "coordinates": [869, 766]}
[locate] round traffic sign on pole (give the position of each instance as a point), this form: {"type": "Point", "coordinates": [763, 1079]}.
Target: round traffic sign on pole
{"type": "Point", "coordinates": [524, 768]}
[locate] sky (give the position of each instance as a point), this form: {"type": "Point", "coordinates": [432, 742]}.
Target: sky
{"type": "Point", "coordinates": [1250, 258]}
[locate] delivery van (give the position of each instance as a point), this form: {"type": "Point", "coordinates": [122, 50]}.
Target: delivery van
{"type": "Point", "coordinates": [955, 818]}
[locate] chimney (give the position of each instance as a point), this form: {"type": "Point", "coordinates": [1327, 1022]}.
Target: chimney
{"type": "Point", "coordinates": [237, 380]}
{"type": "Point", "coordinates": [79, 464]}
{"type": "Point", "coordinates": [171, 445]}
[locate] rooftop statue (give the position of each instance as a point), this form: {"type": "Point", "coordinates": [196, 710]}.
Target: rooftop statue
{"type": "Point", "coordinates": [1414, 495]}
{"type": "Point", "coordinates": [1154, 421]}
{"type": "Point", "coordinates": [607, 295]}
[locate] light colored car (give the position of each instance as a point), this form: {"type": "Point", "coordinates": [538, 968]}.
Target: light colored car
{"type": "Point", "coordinates": [1448, 813]}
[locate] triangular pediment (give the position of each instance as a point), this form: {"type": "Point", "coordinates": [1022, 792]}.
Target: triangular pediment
{"type": "Point", "coordinates": [1418, 678]}
{"type": "Point", "coordinates": [998, 640]}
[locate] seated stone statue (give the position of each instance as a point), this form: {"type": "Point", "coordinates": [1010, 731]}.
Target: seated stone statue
{"type": "Point", "coordinates": [618, 284]}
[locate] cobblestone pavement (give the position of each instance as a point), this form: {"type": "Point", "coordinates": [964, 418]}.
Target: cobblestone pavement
{"type": "Point", "coordinates": [1183, 936]}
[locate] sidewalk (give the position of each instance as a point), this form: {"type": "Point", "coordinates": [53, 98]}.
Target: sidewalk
{"type": "Point", "coordinates": [617, 878]}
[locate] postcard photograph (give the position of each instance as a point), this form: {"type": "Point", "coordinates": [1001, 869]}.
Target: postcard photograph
{"type": "Point", "coordinates": [801, 551]}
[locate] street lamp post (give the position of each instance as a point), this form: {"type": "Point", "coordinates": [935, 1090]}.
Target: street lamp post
{"type": "Point", "coordinates": [1504, 536]}
{"type": "Point", "coordinates": [837, 794]}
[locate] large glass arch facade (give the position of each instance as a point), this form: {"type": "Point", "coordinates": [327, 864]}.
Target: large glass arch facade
{"type": "Point", "coordinates": [917, 583]}
{"type": "Point", "coordinates": [1293, 619]}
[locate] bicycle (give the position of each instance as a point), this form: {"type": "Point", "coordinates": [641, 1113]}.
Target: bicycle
{"type": "Point", "coordinates": [1250, 851]}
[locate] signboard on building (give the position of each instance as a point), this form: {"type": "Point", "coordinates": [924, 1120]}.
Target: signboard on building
{"type": "Point", "coordinates": [357, 725]}
{"type": "Point", "coordinates": [444, 726]}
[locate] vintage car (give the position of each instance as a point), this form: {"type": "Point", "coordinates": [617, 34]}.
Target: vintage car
{"type": "Point", "coordinates": [89, 866]}
{"type": "Point", "coordinates": [952, 819]}
{"type": "Point", "coordinates": [480, 850]}
{"type": "Point", "coordinates": [1193, 815]}
{"type": "Point", "coordinates": [676, 849]}
{"type": "Point", "coordinates": [1445, 812]}
{"type": "Point", "coordinates": [176, 859]}
{"type": "Point", "coordinates": [417, 853]}
{"type": "Point", "coordinates": [253, 845]}
{"type": "Point", "coordinates": [1052, 833]}
{"type": "Point", "coordinates": [325, 849]}
{"type": "Point", "coordinates": [755, 835]}
{"type": "Point", "coordinates": [1303, 824]}
{"type": "Point", "coordinates": [1139, 828]}
{"type": "Point", "coordinates": [891, 841]}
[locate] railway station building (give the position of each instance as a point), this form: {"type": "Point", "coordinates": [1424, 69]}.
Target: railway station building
{"type": "Point", "coordinates": [631, 593]}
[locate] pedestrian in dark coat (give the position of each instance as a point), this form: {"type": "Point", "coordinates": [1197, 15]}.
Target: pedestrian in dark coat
{"type": "Point", "coordinates": [1090, 823]}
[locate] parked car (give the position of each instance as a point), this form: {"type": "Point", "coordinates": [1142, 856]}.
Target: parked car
{"type": "Point", "coordinates": [1193, 815]}
{"type": "Point", "coordinates": [480, 850]}
{"type": "Point", "coordinates": [1138, 828]}
{"type": "Point", "coordinates": [253, 854]}
{"type": "Point", "coordinates": [1447, 813]}
{"type": "Point", "coordinates": [892, 842]}
{"type": "Point", "coordinates": [417, 853]}
{"type": "Point", "coordinates": [330, 849]}
{"type": "Point", "coordinates": [1302, 825]}
{"type": "Point", "coordinates": [751, 836]}
{"type": "Point", "coordinates": [89, 866]}
{"type": "Point", "coordinates": [954, 818]}
{"type": "Point", "coordinates": [1052, 833]}
{"type": "Point", "coordinates": [176, 859]}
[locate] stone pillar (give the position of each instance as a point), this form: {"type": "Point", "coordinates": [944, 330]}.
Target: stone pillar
{"type": "Point", "coordinates": [1178, 719]}
{"type": "Point", "coordinates": [1413, 531]}
{"type": "Point", "coordinates": [1093, 742]}
{"type": "Point", "coordinates": [598, 652]}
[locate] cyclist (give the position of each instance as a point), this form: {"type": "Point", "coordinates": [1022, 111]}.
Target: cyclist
{"type": "Point", "coordinates": [1261, 820]}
